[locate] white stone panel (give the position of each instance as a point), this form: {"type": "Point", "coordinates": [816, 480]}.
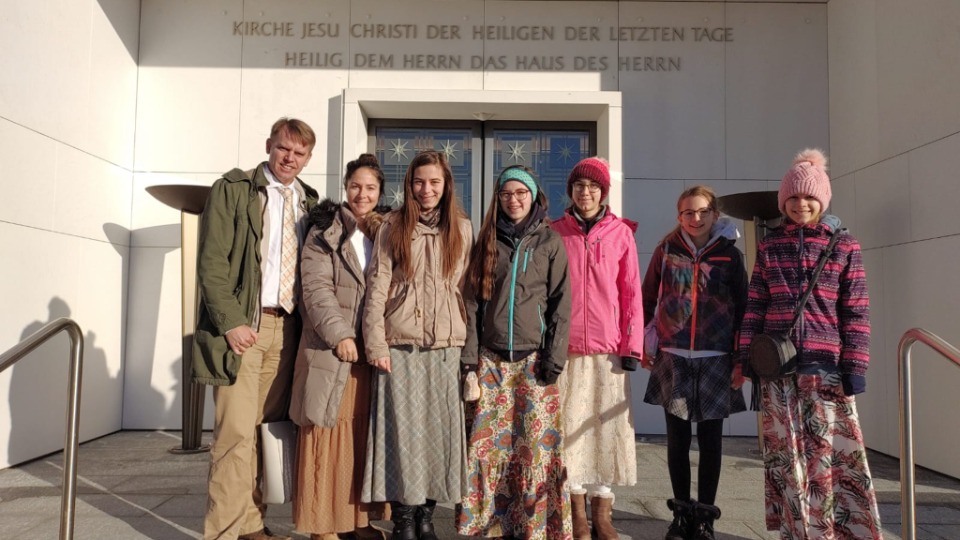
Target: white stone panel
{"type": "Point", "coordinates": [153, 375]}
{"type": "Point", "coordinates": [300, 75]}
{"type": "Point", "coordinates": [22, 151]}
{"type": "Point", "coordinates": [653, 203]}
{"type": "Point", "coordinates": [384, 62]}
{"type": "Point", "coordinates": [189, 85]}
{"type": "Point", "coordinates": [269, 94]}
{"type": "Point", "coordinates": [878, 411]}
{"type": "Point", "coordinates": [90, 102]}
{"type": "Point", "coordinates": [67, 277]}
{"type": "Point", "coordinates": [918, 51]}
{"type": "Point", "coordinates": [854, 92]}
{"type": "Point", "coordinates": [109, 112]}
{"type": "Point", "coordinates": [920, 291]}
{"type": "Point", "coordinates": [673, 120]}
{"type": "Point", "coordinates": [47, 37]}
{"type": "Point", "coordinates": [92, 197]}
{"type": "Point", "coordinates": [776, 86]}
{"type": "Point", "coordinates": [883, 203]}
{"type": "Point", "coordinates": [934, 189]}
{"type": "Point", "coordinates": [580, 54]}
{"type": "Point", "coordinates": [844, 203]}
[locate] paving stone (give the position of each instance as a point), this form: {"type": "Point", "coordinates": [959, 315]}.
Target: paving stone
{"type": "Point", "coordinates": [131, 487]}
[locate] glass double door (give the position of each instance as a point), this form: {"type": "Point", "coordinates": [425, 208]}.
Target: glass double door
{"type": "Point", "coordinates": [478, 151]}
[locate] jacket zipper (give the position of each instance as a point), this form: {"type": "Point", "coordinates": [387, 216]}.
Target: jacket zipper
{"type": "Point", "coordinates": [694, 285]}
{"type": "Point", "coordinates": [513, 289]}
{"type": "Point", "coordinates": [583, 286]}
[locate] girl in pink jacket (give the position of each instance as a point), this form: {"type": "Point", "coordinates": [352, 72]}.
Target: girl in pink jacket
{"type": "Point", "coordinates": [606, 340]}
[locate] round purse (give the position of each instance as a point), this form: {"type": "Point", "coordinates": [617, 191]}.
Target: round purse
{"type": "Point", "coordinates": [773, 356]}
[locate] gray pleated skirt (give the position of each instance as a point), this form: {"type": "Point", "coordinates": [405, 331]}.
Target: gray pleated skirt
{"type": "Point", "coordinates": [416, 449]}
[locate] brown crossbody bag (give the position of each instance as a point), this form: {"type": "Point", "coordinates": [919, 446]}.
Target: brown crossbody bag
{"type": "Point", "coordinates": [773, 355]}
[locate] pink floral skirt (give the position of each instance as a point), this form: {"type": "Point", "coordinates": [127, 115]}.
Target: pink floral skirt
{"type": "Point", "coordinates": [515, 471]}
{"type": "Point", "coordinates": [817, 480]}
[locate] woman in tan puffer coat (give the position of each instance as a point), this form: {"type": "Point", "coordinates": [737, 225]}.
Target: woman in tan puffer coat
{"type": "Point", "coordinates": [331, 388]}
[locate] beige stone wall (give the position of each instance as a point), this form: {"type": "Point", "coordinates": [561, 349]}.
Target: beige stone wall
{"type": "Point", "coordinates": [67, 112]}
{"type": "Point", "coordinates": [895, 141]}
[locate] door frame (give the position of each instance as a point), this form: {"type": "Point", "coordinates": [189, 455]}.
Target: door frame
{"type": "Point", "coordinates": [360, 106]}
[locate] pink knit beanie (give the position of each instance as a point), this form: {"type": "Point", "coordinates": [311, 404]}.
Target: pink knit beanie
{"type": "Point", "coordinates": [595, 169]}
{"type": "Point", "coordinates": [807, 176]}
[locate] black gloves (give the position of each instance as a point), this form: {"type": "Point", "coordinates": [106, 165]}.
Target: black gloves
{"type": "Point", "coordinates": [629, 363]}
{"type": "Point", "coordinates": [547, 371]}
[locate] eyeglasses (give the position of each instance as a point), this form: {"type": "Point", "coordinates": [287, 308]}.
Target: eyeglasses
{"type": "Point", "coordinates": [520, 194]}
{"type": "Point", "coordinates": [586, 186]}
{"type": "Point", "coordinates": [688, 214]}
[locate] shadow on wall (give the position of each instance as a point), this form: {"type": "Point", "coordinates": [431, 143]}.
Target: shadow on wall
{"type": "Point", "coordinates": [39, 389]}
{"type": "Point", "coordinates": [124, 17]}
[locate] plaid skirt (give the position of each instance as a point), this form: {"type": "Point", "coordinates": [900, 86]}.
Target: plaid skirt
{"type": "Point", "coordinates": [515, 470]}
{"type": "Point", "coordinates": [694, 389]}
{"type": "Point", "coordinates": [817, 481]}
{"type": "Point", "coordinates": [416, 445]}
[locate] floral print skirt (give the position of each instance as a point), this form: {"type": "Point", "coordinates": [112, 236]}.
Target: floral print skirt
{"type": "Point", "coordinates": [817, 480]}
{"type": "Point", "coordinates": [515, 471]}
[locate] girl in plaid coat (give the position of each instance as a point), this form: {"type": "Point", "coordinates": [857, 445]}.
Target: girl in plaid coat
{"type": "Point", "coordinates": [695, 289]}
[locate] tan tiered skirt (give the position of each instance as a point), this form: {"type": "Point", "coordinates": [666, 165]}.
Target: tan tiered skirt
{"type": "Point", "coordinates": [330, 466]}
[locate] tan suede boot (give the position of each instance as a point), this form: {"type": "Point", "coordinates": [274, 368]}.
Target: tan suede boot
{"type": "Point", "coordinates": [602, 510]}
{"type": "Point", "coordinates": [578, 505]}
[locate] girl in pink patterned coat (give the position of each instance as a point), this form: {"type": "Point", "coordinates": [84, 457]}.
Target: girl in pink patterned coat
{"type": "Point", "coordinates": [818, 483]}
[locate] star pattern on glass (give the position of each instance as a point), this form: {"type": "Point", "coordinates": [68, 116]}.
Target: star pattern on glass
{"type": "Point", "coordinates": [399, 149]}
{"type": "Point", "coordinates": [516, 152]}
{"type": "Point", "coordinates": [566, 153]}
{"type": "Point", "coordinates": [396, 196]}
{"type": "Point", "coordinates": [450, 149]}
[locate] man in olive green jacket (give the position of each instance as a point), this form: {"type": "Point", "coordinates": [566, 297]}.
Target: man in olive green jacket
{"type": "Point", "coordinates": [246, 339]}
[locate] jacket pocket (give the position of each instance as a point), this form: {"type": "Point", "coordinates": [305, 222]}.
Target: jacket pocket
{"type": "Point", "coordinates": [395, 299]}
{"type": "Point", "coordinates": [543, 324]}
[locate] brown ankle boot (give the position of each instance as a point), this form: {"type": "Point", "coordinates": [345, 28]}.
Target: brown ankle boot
{"type": "Point", "coordinates": [578, 505]}
{"type": "Point", "coordinates": [602, 510]}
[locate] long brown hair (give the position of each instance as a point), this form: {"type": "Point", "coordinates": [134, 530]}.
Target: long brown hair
{"type": "Point", "coordinates": [483, 259]}
{"type": "Point", "coordinates": [401, 232]}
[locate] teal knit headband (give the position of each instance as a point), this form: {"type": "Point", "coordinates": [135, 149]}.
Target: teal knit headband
{"type": "Point", "coordinates": [521, 176]}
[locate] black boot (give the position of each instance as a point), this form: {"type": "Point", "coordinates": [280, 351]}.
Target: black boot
{"type": "Point", "coordinates": [681, 528]}
{"type": "Point", "coordinates": [404, 521]}
{"type": "Point", "coordinates": [705, 514]}
{"type": "Point", "coordinates": [425, 521]}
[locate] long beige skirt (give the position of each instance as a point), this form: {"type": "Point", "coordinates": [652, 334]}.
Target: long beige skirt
{"type": "Point", "coordinates": [330, 466]}
{"type": "Point", "coordinates": [599, 442]}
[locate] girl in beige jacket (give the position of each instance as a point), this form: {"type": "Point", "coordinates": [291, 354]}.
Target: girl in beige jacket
{"type": "Point", "coordinates": [414, 327]}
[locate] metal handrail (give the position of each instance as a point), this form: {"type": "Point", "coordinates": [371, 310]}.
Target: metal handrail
{"type": "Point", "coordinates": [68, 501]}
{"type": "Point", "coordinates": [908, 518]}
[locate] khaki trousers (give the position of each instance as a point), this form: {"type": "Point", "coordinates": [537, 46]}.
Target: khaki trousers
{"type": "Point", "coordinates": [260, 394]}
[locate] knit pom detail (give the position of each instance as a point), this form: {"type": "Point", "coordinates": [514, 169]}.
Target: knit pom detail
{"type": "Point", "coordinates": [814, 156]}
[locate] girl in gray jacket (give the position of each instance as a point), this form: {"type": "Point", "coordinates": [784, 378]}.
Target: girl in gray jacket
{"type": "Point", "coordinates": [517, 297]}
